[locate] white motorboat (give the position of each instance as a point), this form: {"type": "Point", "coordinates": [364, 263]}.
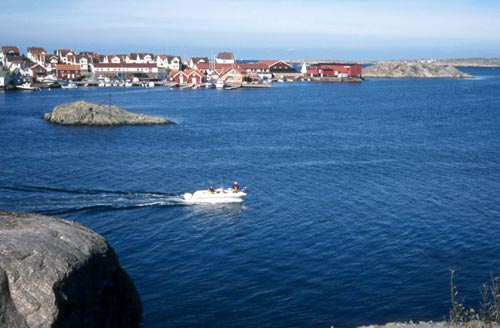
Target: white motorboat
{"type": "Point", "coordinates": [218, 196]}
{"type": "Point", "coordinates": [220, 84]}
{"type": "Point", "coordinates": [27, 86]}
{"type": "Point", "coordinates": [70, 85]}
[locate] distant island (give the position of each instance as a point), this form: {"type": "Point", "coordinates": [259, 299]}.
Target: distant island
{"type": "Point", "coordinates": [413, 70]}
{"type": "Point", "coordinates": [92, 114]}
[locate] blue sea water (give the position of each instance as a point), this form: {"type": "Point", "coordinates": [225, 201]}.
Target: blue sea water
{"type": "Point", "coordinates": [361, 197]}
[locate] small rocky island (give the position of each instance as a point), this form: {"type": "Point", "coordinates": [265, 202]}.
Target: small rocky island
{"type": "Point", "coordinates": [57, 273]}
{"type": "Point", "coordinates": [92, 114]}
{"type": "Point", "coordinates": [412, 70]}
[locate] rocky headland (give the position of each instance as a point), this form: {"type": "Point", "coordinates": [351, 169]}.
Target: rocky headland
{"type": "Point", "coordinates": [57, 273]}
{"type": "Point", "coordinates": [412, 70]}
{"type": "Point", "coordinates": [439, 324]}
{"type": "Point", "coordinates": [92, 114]}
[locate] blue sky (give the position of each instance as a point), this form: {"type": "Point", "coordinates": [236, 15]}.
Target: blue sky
{"type": "Point", "coordinates": [252, 29]}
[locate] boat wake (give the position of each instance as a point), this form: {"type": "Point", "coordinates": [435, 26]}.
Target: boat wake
{"type": "Point", "coordinates": [57, 201]}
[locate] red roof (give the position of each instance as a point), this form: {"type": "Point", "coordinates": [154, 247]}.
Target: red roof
{"type": "Point", "coordinates": [66, 67]}
{"type": "Point", "coordinates": [254, 66]}
{"type": "Point", "coordinates": [193, 71]}
{"type": "Point", "coordinates": [272, 62]}
{"type": "Point", "coordinates": [12, 49]}
{"type": "Point", "coordinates": [117, 65]}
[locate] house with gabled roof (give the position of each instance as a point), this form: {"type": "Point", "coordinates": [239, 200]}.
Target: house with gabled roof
{"type": "Point", "coordinates": [140, 58]}
{"type": "Point", "coordinates": [113, 59]}
{"type": "Point", "coordinates": [65, 55]}
{"type": "Point", "coordinates": [37, 71]}
{"type": "Point", "coordinates": [37, 55]}
{"type": "Point", "coordinates": [278, 66]}
{"type": "Point", "coordinates": [225, 58]}
{"type": "Point", "coordinates": [334, 70]}
{"type": "Point", "coordinates": [52, 61]}
{"type": "Point", "coordinates": [84, 62]}
{"type": "Point", "coordinates": [189, 76]}
{"type": "Point", "coordinates": [169, 62]}
{"type": "Point", "coordinates": [68, 72]}
{"type": "Point", "coordinates": [210, 68]}
{"type": "Point", "coordinates": [232, 76]}
{"type": "Point", "coordinates": [7, 54]}
{"type": "Point", "coordinates": [197, 60]}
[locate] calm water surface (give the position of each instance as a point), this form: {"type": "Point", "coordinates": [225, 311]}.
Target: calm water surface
{"type": "Point", "coordinates": [361, 197]}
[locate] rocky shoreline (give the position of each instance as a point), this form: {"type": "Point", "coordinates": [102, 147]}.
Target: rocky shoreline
{"type": "Point", "coordinates": [57, 273]}
{"type": "Point", "coordinates": [439, 324]}
{"type": "Point", "coordinates": [412, 70]}
{"type": "Point", "coordinates": [93, 114]}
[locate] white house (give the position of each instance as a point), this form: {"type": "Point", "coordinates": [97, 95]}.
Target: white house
{"type": "Point", "coordinates": [114, 59]}
{"type": "Point", "coordinates": [4, 79]}
{"type": "Point", "coordinates": [225, 58]}
{"type": "Point", "coordinates": [65, 55]}
{"type": "Point", "coordinates": [7, 54]}
{"type": "Point", "coordinates": [172, 63]}
{"type": "Point", "coordinates": [140, 58]}
{"type": "Point", "coordinates": [84, 63]}
{"type": "Point", "coordinates": [37, 55]}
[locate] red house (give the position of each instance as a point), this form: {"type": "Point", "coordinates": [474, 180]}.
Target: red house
{"type": "Point", "coordinates": [189, 76]}
{"type": "Point", "coordinates": [38, 70]}
{"type": "Point", "coordinates": [277, 66]}
{"type": "Point", "coordinates": [334, 70]}
{"type": "Point", "coordinates": [68, 72]}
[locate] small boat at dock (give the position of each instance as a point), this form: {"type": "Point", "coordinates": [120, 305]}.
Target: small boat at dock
{"type": "Point", "coordinates": [28, 87]}
{"type": "Point", "coordinates": [70, 85]}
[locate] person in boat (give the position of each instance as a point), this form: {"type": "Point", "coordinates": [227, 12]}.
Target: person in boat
{"type": "Point", "coordinates": [211, 189]}
{"type": "Point", "coordinates": [235, 187]}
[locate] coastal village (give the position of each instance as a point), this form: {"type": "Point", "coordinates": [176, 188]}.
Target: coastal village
{"type": "Point", "coordinates": [68, 69]}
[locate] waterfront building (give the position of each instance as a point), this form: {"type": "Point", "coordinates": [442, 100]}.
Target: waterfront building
{"type": "Point", "coordinates": [5, 79]}
{"type": "Point", "coordinates": [259, 70]}
{"type": "Point", "coordinates": [124, 70]}
{"type": "Point", "coordinates": [212, 67]}
{"type": "Point", "coordinates": [334, 70]}
{"type": "Point", "coordinates": [37, 70]}
{"type": "Point", "coordinates": [232, 76]}
{"type": "Point", "coordinates": [189, 76]}
{"type": "Point", "coordinates": [68, 72]}
{"type": "Point", "coordinates": [278, 66]}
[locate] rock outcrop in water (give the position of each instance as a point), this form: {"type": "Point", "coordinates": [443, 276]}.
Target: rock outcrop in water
{"type": "Point", "coordinates": [87, 113]}
{"type": "Point", "coordinates": [57, 273]}
{"type": "Point", "coordinates": [412, 70]}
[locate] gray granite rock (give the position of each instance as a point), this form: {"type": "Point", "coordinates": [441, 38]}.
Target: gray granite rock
{"type": "Point", "coordinates": [57, 273]}
{"type": "Point", "coordinates": [412, 70]}
{"type": "Point", "coordinates": [87, 113]}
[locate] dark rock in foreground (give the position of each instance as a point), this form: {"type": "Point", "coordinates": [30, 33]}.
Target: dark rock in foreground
{"type": "Point", "coordinates": [87, 113]}
{"type": "Point", "coordinates": [412, 70]}
{"type": "Point", "coordinates": [57, 273]}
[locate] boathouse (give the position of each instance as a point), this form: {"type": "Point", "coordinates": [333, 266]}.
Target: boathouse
{"type": "Point", "coordinates": [334, 70]}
